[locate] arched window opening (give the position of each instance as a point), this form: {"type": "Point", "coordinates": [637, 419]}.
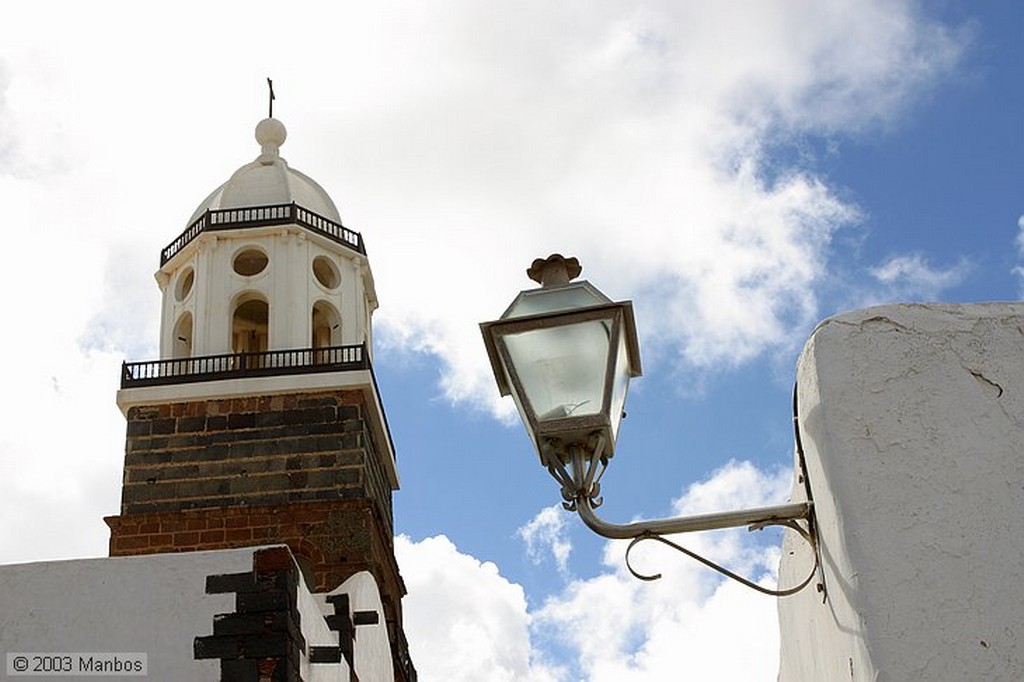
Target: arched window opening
{"type": "Point", "coordinates": [326, 331]}
{"type": "Point", "coordinates": [249, 327]}
{"type": "Point", "coordinates": [181, 343]}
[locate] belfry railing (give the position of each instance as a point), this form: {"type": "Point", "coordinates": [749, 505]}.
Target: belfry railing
{"type": "Point", "coordinates": [261, 216]}
{"type": "Point", "coordinates": [238, 365]}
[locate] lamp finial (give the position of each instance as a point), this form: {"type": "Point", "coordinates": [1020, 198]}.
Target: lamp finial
{"type": "Point", "coordinates": [554, 271]}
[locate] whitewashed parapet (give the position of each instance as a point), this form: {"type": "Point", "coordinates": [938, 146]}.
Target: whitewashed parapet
{"type": "Point", "coordinates": [912, 422]}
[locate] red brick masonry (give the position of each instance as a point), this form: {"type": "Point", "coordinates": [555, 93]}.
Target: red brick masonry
{"type": "Point", "coordinates": [334, 539]}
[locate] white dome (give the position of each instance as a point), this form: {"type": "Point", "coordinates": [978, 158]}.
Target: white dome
{"type": "Point", "coordinates": [268, 180]}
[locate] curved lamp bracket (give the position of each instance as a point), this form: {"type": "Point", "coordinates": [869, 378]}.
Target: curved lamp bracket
{"type": "Point", "coordinates": [723, 570]}
{"type": "Point", "coordinates": [581, 490]}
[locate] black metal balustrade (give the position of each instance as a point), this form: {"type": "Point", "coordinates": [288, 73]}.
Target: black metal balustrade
{"type": "Point", "coordinates": [261, 216]}
{"type": "Point", "coordinates": [237, 365]}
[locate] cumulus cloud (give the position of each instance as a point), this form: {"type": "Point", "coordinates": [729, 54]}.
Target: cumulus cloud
{"type": "Point", "coordinates": [467, 622]}
{"type": "Point", "coordinates": [640, 141]}
{"type": "Point", "coordinates": [687, 623]}
{"type": "Point", "coordinates": [61, 434]}
{"type": "Point", "coordinates": [58, 480]}
{"type": "Point", "coordinates": [913, 277]}
{"type": "Point", "coordinates": [463, 619]}
{"type": "Point", "coordinates": [1019, 270]}
{"type": "Point", "coordinates": [545, 536]}
{"type": "Point", "coordinates": [465, 140]}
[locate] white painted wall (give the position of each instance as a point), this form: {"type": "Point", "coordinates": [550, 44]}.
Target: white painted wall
{"type": "Point", "coordinates": [372, 648]}
{"type": "Point", "coordinates": [154, 604]}
{"type": "Point", "coordinates": [316, 632]}
{"type": "Point", "coordinates": [913, 428]}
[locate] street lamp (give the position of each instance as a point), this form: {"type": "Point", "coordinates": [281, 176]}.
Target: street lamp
{"type": "Point", "coordinates": [566, 353]}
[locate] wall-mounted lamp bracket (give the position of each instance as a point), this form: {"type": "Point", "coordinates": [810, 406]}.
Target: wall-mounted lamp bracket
{"type": "Point", "coordinates": [581, 489]}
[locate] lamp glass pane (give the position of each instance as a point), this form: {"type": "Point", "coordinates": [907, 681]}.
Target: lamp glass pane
{"type": "Point", "coordinates": [562, 369]}
{"type": "Point", "coordinates": [620, 384]}
{"type": "Point", "coordinates": [575, 295]}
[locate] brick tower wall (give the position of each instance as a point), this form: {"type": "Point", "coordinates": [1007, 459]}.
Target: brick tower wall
{"type": "Point", "coordinates": [299, 469]}
{"type": "Point", "coordinates": [252, 451]}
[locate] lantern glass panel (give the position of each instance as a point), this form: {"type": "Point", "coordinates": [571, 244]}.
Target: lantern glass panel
{"type": "Point", "coordinates": [562, 369]}
{"type": "Point", "coordinates": [570, 297]}
{"type": "Point", "coordinates": [620, 384]}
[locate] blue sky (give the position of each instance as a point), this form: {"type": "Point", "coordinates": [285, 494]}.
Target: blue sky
{"type": "Point", "coordinates": [740, 171]}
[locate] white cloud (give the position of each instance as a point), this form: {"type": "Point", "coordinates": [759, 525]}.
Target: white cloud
{"type": "Point", "coordinates": [464, 621]}
{"type": "Point", "coordinates": [1019, 270]}
{"type": "Point", "coordinates": [545, 534]}
{"type": "Point", "coordinates": [735, 480]}
{"type": "Point", "coordinates": [913, 277]}
{"type": "Point", "coordinates": [61, 435]}
{"type": "Point", "coordinates": [638, 141]}
{"type": "Point", "coordinates": [612, 626]}
{"type": "Point", "coordinates": [465, 140]}
{"type": "Point", "coordinates": [57, 484]}
{"type": "Point", "coordinates": [687, 623]}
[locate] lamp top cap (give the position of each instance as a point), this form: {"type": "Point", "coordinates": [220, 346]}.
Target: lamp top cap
{"type": "Point", "coordinates": [554, 271]}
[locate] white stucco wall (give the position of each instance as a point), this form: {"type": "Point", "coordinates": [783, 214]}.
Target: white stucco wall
{"type": "Point", "coordinates": [913, 428]}
{"type": "Point", "coordinates": [372, 649]}
{"type": "Point", "coordinates": [153, 604]}
{"type": "Point", "coordinates": [316, 632]}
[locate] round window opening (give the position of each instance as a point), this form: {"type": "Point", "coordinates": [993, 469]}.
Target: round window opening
{"type": "Point", "coordinates": [250, 262]}
{"type": "Point", "coordinates": [185, 282]}
{"type": "Point", "coordinates": [326, 272]}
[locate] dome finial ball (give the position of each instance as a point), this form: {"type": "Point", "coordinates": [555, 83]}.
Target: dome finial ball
{"type": "Point", "coordinates": [271, 134]}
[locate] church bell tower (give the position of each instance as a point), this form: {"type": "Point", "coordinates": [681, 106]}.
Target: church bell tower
{"type": "Point", "coordinates": [261, 422]}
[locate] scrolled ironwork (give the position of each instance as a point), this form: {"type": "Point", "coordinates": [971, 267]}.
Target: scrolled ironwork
{"type": "Point", "coordinates": [587, 461]}
{"type": "Point", "coordinates": [578, 467]}
{"type": "Point", "coordinates": [805, 534]}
